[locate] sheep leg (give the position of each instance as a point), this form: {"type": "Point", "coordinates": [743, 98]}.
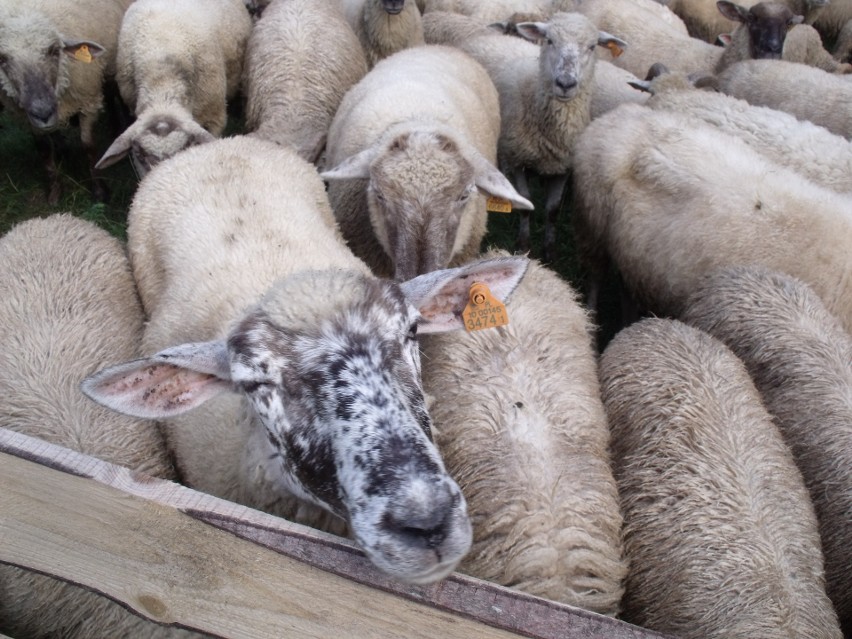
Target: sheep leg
{"type": "Point", "coordinates": [87, 126]}
{"type": "Point", "coordinates": [522, 244]}
{"type": "Point", "coordinates": [47, 147]}
{"type": "Point", "coordinates": [554, 186]}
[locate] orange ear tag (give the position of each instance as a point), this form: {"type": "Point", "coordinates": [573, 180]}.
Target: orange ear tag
{"type": "Point", "coordinates": [83, 54]}
{"type": "Point", "coordinates": [614, 49]}
{"type": "Point", "coordinates": [498, 205]}
{"type": "Point", "coordinates": [483, 310]}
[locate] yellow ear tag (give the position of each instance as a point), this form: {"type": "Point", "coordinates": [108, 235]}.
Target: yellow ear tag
{"type": "Point", "coordinates": [498, 205]}
{"type": "Point", "coordinates": [614, 49]}
{"type": "Point", "coordinates": [83, 54]}
{"type": "Point", "coordinates": [483, 310]}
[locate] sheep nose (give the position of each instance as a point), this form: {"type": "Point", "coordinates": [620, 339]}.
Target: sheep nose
{"type": "Point", "coordinates": [393, 6]}
{"type": "Point", "coordinates": [423, 520]}
{"type": "Point", "coordinates": [566, 83]}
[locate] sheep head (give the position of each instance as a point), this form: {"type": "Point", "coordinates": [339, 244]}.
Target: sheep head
{"type": "Point", "coordinates": [329, 365]}
{"type": "Point", "coordinates": [422, 195]}
{"type": "Point", "coordinates": [767, 24]}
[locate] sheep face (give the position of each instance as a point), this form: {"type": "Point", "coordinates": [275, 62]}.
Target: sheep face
{"type": "Point", "coordinates": [334, 382]}
{"type": "Point", "coordinates": [422, 195]}
{"type": "Point", "coordinates": [32, 56]}
{"type": "Point", "coordinates": [767, 24]}
{"type": "Point", "coordinates": [568, 51]}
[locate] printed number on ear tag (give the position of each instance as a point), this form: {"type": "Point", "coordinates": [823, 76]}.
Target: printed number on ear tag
{"type": "Point", "coordinates": [483, 310]}
{"type": "Point", "coordinates": [498, 205]}
{"type": "Point", "coordinates": [83, 54]}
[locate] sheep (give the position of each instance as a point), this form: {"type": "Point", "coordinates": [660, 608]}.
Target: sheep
{"type": "Point", "coordinates": [179, 61]}
{"type": "Point", "coordinates": [807, 93]}
{"type": "Point", "coordinates": [833, 20]}
{"type": "Point", "coordinates": [517, 414]}
{"type": "Point", "coordinates": [704, 20]}
{"type": "Point", "coordinates": [804, 45]}
{"type": "Point", "coordinates": [719, 529]}
{"type": "Point", "coordinates": [301, 58]}
{"type": "Point", "coordinates": [54, 56]}
{"type": "Point", "coordinates": [327, 423]}
{"type": "Point", "coordinates": [384, 26]}
{"type": "Point", "coordinates": [545, 99]}
{"type": "Point", "coordinates": [800, 359]}
{"type": "Point", "coordinates": [808, 149]}
{"type": "Point", "coordinates": [760, 34]}
{"type": "Point", "coordinates": [408, 148]}
{"type": "Point", "coordinates": [68, 302]}
{"type": "Point", "coordinates": [649, 198]}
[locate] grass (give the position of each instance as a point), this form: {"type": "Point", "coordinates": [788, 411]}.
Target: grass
{"type": "Point", "coordinates": [23, 195]}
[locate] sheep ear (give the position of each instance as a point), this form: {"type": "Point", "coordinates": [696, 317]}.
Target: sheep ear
{"type": "Point", "coordinates": [532, 31]}
{"type": "Point", "coordinates": [164, 385]}
{"type": "Point", "coordinates": [83, 50]}
{"type": "Point", "coordinates": [724, 39]}
{"type": "Point", "coordinates": [353, 167]}
{"type": "Point", "coordinates": [732, 11]}
{"type": "Point", "coordinates": [119, 149]}
{"type": "Point", "coordinates": [491, 181]}
{"type": "Point", "coordinates": [441, 296]}
{"type": "Point", "coordinates": [615, 45]}
{"type": "Point", "coordinates": [641, 85]}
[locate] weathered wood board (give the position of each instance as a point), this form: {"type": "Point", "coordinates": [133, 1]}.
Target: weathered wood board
{"type": "Point", "coordinates": [150, 545]}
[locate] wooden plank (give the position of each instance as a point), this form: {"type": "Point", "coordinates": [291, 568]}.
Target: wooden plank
{"type": "Point", "coordinates": [139, 541]}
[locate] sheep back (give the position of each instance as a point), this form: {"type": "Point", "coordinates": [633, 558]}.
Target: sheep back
{"type": "Point", "coordinates": [518, 418]}
{"type": "Point", "coordinates": [647, 197]}
{"type": "Point", "coordinates": [68, 304]}
{"type": "Point", "coordinates": [718, 526]}
{"type": "Point", "coordinates": [800, 359]}
{"type": "Point", "coordinates": [301, 59]}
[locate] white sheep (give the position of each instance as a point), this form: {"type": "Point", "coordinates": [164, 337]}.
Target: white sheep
{"type": "Point", "coordinates": [519, 422]}
{"type": "Point", "coordinates": [409, 148]}
{"type": "Point", "coordinates": [327, 419]}
{"type": "Point", "coordinates": [719, 530]}
{"type": "Point", "coordinates": [842, 50]}
{"type": "Point", "coordinates": [804, 91]}
{"type": "Point", "coordinates": [489, 11]}
{"type": "Point", "coordinates": [68, 303]}
{"type": "Point", "coordinates": [800, 359]}
{"type": "Point", "coordinates": [545, 101]}
{"type": "Point", "coordinates": [384, 26]}
{"type": "Point", "coordinates": [808, 149]}
{"type": "Point", "coordinates": [649, 198]}
{"type": "Point", "coordinates": [834, 19]}
{"type": "Point", "coordinates": [54, 56]}
{"type": "Point", "coordinates": [179, 61]}
{"type": "Point", "coordinates": [613, 86]}
{"type": "Point", "coordinates": [301, 58]}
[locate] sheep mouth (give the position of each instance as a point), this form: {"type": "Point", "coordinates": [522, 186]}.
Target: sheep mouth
{"type": "Point", "coordinates": [393, 7]}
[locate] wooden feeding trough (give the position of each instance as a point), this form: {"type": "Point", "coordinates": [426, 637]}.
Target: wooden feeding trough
{"type": "Point", "coordinates": [237, 572]}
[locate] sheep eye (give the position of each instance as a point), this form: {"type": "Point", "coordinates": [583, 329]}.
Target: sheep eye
{"type": "Point", "coordinates": [412, 333]}
{"type": "Point", "coordinates": [549, 41]}
{"type": "Point", "coordinates": [53, 51]}
{"type": "Point", "coordinates": [592, 47]}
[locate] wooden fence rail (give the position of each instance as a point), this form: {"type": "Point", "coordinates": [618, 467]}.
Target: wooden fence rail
{"type": "Point", "coordinates": [178, 556]}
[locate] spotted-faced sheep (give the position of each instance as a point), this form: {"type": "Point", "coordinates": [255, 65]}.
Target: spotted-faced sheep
{"type": "Point", "coordinates": [719, 530]}
{"type": "Point", "coordinates": [808, 149]}
{"type": "Point", "coordinates": [54, 56]}
{"type": "Point", "coordinates": [302, 57]}
{"type": "Point", "coordinates": [409, 148]}
{"type": "Point", "coordinates": [384, 26]}
{"type": "Point", "coordinates": [545, 101]}
{"type": "Point", "coordinates": [648, 198]}
{"type": "Point", "coordinates": [68, 303]}
{"type": "Point", "coordinates": [520, 424]}
{"type": "Point", "coordinates": [806, 92]}
{"type": "Point", "coordinates": [800, 359]}
{"type": "Point", "coordinates": [328, 419]}
{"type": "Point", "coordinates": [179, 61]}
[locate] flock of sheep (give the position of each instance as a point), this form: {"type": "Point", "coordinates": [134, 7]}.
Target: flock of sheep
{"type": "Point", "coordinates": [284, 327]}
